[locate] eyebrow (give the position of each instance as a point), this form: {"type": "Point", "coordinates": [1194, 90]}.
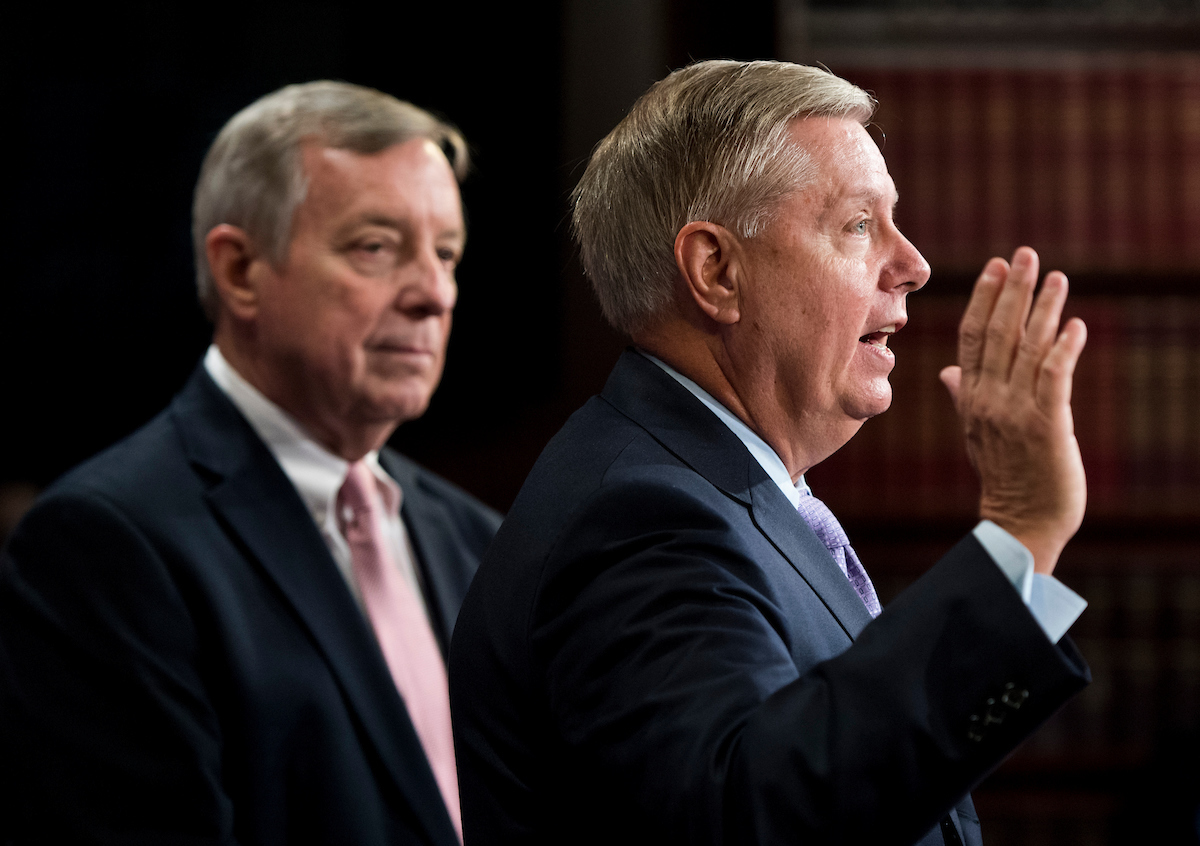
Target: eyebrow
{"type": "Point", "coordinates": [394, 223]}
{"type": "Point", "coordinates": [865, 197]}
{"type": "Point", "coordinates": [875, 197]}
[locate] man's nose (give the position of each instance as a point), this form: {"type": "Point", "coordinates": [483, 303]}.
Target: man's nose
{"type": "Point", "coordinates": [908, 268]}
{"type": "Point", "coordinates": [430, 288]}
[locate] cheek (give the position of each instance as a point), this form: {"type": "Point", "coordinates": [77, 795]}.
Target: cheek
{"type": "Point", "coordinates": [338, 339]}
{"type": "Point", "coordinates": [358, 317]}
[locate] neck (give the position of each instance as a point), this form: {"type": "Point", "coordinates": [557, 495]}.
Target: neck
{"type": "Point", "coordinates": [716, 363]}
{"type": "Point", "coordinates": [350, 442]}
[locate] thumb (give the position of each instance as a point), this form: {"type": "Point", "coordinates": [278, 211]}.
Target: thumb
{"type": "Point", "coordinates": [952, 377]}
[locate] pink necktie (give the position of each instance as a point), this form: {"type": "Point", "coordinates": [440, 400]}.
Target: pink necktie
{"type": "Point", "coordinates": [826, 527]}
{"type": "Point", "coordinates": [401, 627]}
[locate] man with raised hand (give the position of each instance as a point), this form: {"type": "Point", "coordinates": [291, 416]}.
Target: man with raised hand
{"type": "Point", "coordinates": [671, 639]}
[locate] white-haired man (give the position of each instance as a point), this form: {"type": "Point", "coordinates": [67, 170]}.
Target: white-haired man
{"type": "Point", "coordinates": [231, 626]}
{"type": "Point", "coordinates": [671, 640]}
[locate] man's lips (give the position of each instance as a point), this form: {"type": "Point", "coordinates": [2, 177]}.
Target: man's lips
{"type": "Point", "coordinates": [399, 348]}
{"type": "Point", "coordinates": [879, 338]}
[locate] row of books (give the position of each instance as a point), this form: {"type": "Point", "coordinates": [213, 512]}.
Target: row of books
{"type": "Point", "coordinates": [1137, 418]}
{"type": "Point", "coordinates": [1095, 161]}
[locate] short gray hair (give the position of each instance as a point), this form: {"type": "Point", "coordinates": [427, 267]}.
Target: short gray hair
{"type": "Point", "coordinates": [709, 142]}
{"type": "Point", "coordinates": [253, 175]}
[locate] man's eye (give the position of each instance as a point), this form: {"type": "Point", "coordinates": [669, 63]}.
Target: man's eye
{"type": "Point", "coordinates": [448, 255]}
{"type": "Point", "coordinates": [374, 256]}
{"type": "Point", "coordinates": [860, 228]}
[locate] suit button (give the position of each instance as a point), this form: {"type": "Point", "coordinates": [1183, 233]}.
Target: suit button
{"type": "Point", "coordinates": [974, 728]}
{"type": "Point", "coordinates": [1013, 697]}
{"type": "Point", "coordinates": [995, 710]}
{"type": "Point", "coordinates": [994, 715]}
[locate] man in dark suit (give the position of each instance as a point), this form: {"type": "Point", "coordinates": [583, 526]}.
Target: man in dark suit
{"type": "Point", "coordinates": [671, 640]}
{"type": "Point", "coordinates": [231, 626]}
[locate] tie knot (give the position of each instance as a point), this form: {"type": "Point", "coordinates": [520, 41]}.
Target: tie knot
{"type": "Point", "coordinates": [821, 520]}
{"type": "Point", "coordinates": [353, 499]}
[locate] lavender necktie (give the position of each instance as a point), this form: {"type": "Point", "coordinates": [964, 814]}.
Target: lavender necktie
{"type": "Point", "coordinates": [830, 531]}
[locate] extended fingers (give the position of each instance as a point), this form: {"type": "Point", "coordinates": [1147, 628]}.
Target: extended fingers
{"type": "Point", "coordinates": [1058, 367]}
{"type": "Point", "coordinates": [975, 319]}
{"type": "Point", "coordinates": [1041, 329]}
{"type": "Point", "coordinates": [1006, 327]}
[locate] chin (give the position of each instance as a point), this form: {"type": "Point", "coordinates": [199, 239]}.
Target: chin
{"type": "Point", "coordinates": [406, 411]}
{"type": "Point", "coordinates": [864, 408]}
{"type": "Point", "coordinates": [398, 407]}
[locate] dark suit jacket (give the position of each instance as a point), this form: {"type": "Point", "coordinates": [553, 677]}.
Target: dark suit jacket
{"type": "Point", "coordinates": [657, 649]}
{"type": "Point", "coordinates": [181, 661]}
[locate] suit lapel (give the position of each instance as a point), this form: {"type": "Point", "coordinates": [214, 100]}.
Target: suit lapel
{"type": "Point", "coordinates": [642, 391]}
{"type": "Point", "coordinates": [773, 514]}
{"type": "Point", "coordinates": [254, 499]}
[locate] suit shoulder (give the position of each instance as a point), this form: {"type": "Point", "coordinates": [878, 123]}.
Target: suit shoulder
{"type": "Point", "coordinates": [600, 454]}
{"type": "Point", "coordinates": [603, 478]}
{"type": "Point", "coordinates": [143, 466]}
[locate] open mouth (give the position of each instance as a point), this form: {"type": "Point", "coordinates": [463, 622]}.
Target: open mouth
{"type": "Point", "coordinates": [878, 338]}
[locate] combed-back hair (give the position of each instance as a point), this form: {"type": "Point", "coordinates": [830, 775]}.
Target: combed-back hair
{"type": "Point", "coordinates": [253, 175]}
{"type": "Point", "coordinates": [709, 142]}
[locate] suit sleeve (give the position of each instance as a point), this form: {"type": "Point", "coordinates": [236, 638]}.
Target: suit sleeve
{"type": "Point", "coordinates": [105, 727]}
{"type": "Point", "coordinates": [672, 670]}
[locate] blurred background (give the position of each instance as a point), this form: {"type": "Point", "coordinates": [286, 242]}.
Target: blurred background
{"type": "Point", "coordinates": [1070, 125]}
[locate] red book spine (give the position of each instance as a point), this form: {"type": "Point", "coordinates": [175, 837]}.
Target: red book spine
{"type": "Point", "coordinates": [1073, 181]}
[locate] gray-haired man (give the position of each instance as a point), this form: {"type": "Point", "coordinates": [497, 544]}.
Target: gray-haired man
{"type": "Point", "coordinates": [231, 626]}
{"type": "Point", "coordinates": [671, 640]}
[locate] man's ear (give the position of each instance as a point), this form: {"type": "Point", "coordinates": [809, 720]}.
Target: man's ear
{"type": "Point", "coordinates": [235, 266]}
{"type": "Point", "coordinates": [708, 258]}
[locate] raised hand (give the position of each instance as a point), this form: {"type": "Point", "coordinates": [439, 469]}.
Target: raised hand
{"type": "Point", "coordinates": [1012, 388]}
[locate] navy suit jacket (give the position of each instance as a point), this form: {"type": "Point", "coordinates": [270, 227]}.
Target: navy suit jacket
{"type": "Point", "coordinates": [657, 649]}
{"type": "Point", "coordinates": [182, 662]}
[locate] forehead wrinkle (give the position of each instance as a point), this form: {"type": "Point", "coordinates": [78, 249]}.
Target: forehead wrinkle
{"type": "Point", "coordinates": [376, 219]}
{"type": "Point", "coordinates": [383, 221]}
{"type": "Point", "coordinates": [859, 194]}
{"type": "Point", "coordinates": [871, 195]}
{"type": "Point", "coordinates": [847, 172]}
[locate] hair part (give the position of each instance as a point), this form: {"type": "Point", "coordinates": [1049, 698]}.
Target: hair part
{"type": "Point", "coordinates": [709, 142]}
{"type": "Point", "coordinates": [253, 174]}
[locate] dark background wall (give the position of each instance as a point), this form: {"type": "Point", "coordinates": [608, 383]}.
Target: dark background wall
{"type": "Point", "coordinates": [111, 112]}
{"type": "Point", "coordinates": [114, 111]}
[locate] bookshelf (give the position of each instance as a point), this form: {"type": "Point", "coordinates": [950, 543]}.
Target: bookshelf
{"type": "Point", "coordinates": [1095, 158]}
{"type": "Point", "coordinates": [1090, 154]}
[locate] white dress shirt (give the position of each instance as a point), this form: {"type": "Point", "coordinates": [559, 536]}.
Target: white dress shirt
{"type": "Point", "coordinates": [1054, 605]}
{"type": "Point", "coordinates": [317, 474]}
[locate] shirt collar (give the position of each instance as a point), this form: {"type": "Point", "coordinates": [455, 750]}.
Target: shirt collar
{"type": "Point", "coordinates": [316, 472]}
{"type": "Point", "coordinates": [760, 449]}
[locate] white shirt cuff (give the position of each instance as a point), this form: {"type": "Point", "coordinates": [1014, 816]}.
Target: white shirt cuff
{"type": "Point", "coordinates": [1054, 605]}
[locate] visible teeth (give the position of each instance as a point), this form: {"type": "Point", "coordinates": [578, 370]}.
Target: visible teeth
{"type": "Point", "coordinates": [886, 330]}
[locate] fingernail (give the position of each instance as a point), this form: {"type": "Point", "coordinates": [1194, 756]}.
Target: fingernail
{"type": "Point", "coordinates": [1055, 280]}
{"type": "Point", "coordinates": [993, 270]}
